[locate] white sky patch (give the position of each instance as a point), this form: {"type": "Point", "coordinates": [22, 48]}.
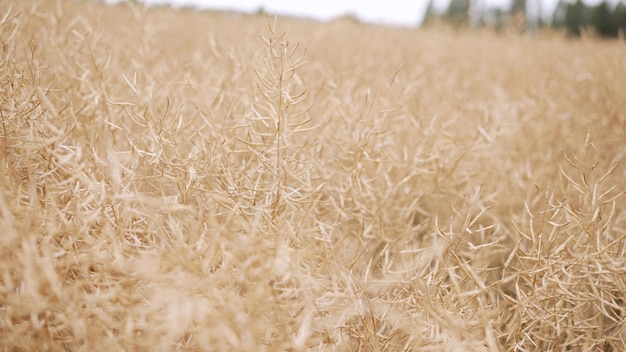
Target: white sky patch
{"type": "Point", "coordinates": [397, 12]}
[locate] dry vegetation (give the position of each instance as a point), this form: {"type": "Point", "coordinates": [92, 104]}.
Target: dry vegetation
{"type": "Point", "coordinates": [202, 181]}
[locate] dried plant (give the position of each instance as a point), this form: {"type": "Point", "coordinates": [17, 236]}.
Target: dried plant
{"type": "Point", "coordinates": [181, 180]}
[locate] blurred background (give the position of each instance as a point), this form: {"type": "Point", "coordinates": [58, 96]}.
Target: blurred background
{"type": "Point", "coordinates": [606, 18]}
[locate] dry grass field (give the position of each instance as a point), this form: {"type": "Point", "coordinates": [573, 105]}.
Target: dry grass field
{"type": "Point", "coordinates": [175, 180]}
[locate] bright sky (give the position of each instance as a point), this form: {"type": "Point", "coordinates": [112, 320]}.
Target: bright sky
{"type": "Point", "coordinates": [401, 12]}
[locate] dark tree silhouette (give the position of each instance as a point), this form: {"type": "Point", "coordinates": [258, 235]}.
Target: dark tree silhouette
{"type": "Point", "coordinates": [573, 16]}
{"type": "Point", "coordinates": [519, 6]}
{"type": "Point", "coordinates": [618, 18]}
{"type": "Point", "coordinates": [602, 20]}
{"type": "Point", "coordinates": [458, 12]}
{"type": "Point", "coordinates": [576, 17]}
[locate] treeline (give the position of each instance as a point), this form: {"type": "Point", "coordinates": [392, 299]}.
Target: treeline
{"type": "Point", "coordinates": [604, 19]}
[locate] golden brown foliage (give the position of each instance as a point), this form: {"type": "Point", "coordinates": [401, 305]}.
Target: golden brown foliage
{"type": "Point", "coordinates": [174, 180]}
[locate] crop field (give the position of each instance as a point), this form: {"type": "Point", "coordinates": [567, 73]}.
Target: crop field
{"type": "Point", "coordinates": [173, 180]}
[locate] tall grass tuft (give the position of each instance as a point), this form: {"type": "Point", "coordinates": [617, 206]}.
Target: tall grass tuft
{"type": "Point", "coordinates": [570, 261]}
